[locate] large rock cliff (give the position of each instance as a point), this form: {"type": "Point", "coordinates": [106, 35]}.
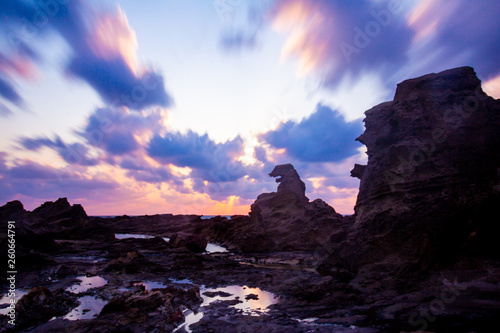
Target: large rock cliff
{"type": "Point", "coordinates": [430, 192]}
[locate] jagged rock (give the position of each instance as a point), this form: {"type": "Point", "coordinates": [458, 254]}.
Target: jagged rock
{"type": "Point", "coordinates": [40, 304]}
{"type": "Point", "coordinates": [358, 171]}
{"type": "Point", "coordinates": [62, 271]}
{"type": "Point", "coordinates": [60, 209]}
{"type": "Point", "coordinates": [12, 211]}
{"type": "Point", "coordinates": [429, 193]}
{"type": "Point", "coordinates": [195, 243]}
{"type": "Point", "coordinates": [162, 304]}
{"type": "Point", "coordinates": [132, 262]}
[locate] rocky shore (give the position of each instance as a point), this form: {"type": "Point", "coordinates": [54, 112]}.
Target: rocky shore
{"type": "Point", "coordinates": [419, 254]}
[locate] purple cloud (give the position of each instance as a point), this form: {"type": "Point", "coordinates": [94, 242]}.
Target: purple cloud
{"type": "Point", "coordinates": [38, 181]}
{"type": "Point", "coordinates": [8, 92]}
{"type": "Point", "coordinates": [324, 136]}
{"type": "Point", "coordinates": [214, 162]}
{"type": "Point", "coordinates": [75, 153]}
{"type": "Point", "coordinates": [103, 49]}
{"type": "Point", "coordinates": [114, 130]}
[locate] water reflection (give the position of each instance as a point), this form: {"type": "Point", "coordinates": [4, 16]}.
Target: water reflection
{"type": "Point", "coordinates": [124, 236]}
{"type": "Point", "coordinates": [149, 285]}
{"type": "Point", "coordinates": [258, 302]}
{"type": "Point", "coordinates": [90, 307]}
{"type": "Point", "coordinates": [5, 300]}
{"type": "Point", "coordinates": [87, 283]}
{"type": "Point", "coordinates": [254, 301]}
{"type": "Point", "coordinates": [211, 247]}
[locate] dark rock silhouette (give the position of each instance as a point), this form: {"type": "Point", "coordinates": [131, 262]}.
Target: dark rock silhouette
{"type": "Point", "coordinates": [290, 197]}
{"type": "Point", "coordinates": [430, 192]}
{"type": "Point", "coordinates": [58, 210]}
{"type": "Point", "coordinates": [281, 221]}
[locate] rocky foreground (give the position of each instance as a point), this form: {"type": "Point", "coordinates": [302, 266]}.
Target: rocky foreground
{"type": "Point", "coordinates": [419, 254]}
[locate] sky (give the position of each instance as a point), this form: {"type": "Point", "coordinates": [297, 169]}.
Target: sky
{"type": "Point", "coordinates": [185, 106]}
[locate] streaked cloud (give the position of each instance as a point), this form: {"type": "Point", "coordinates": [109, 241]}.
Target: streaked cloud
{"type": "Point", "coordinates": [103, 49]}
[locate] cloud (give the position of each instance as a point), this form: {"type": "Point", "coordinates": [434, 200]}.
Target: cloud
{"type": "Point", "coordinates": [34, 180]}
{"type": "Point", "coordinates": [118, 85]}
{"type": "Point", "coordinates": [238, 40]}
{"type": "Point", "coordinates": [103, 49]}
{"type": "Point", "coordinates": [8, 92]}
{"type": "Point", "coordinates": [215, 162]}
{"type": "Point", "coordinates": [105, 57]}
{"type": "Point", "coordinates": [457, 33]}
{"type": "Point", "coordinates": [116, 130]}
{"type": "Point", "coordinates": [396, 39]}
{"type": "Point", "coordinates": [75, 153]}
{"type": "Point", "coordinates": [338, 37]}
{"type": "Point", "coordinates": [324, 136]}
{"type": "Point", "coordinates": [4, 111]}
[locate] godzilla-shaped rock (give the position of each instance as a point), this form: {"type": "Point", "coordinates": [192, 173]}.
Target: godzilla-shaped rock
{"type": "Point", "coordinates": [290, 197]}
{"type": "Point", "coordinates": [283, 220]}
{"type": "Point", "coordinates": [430, 191]}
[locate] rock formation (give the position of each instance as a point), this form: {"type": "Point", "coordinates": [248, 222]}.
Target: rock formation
{"type": "Point", "coordinates": [429, 194]}
{"type": "Point", "coordinates": [283, 220]}
{"type": "Point", "coordinates": [195, 243]}
{"type": "Point", "coordinates": [290, 197]}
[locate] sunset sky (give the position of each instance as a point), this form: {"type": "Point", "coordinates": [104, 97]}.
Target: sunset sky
{"type": "Point", "coordinates": [185, 106]}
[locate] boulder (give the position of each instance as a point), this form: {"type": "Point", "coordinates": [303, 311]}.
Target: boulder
{"type": "Point", "coordinates": [194, 243]}
{"type": "Point", "coordinates": [40, 305]}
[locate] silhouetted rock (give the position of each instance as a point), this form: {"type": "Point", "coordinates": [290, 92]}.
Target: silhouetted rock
{"type": "Point", "coordinates": [60, 209]}
{"type": "Point", "coordinates": [358, 171]}
{"type": "Point", "coordinates": [281, 221]}
{"type": "Point", "coordinates": [430, 191]}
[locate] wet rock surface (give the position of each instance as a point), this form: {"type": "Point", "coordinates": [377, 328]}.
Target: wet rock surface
{"type": "Point", "coordinates": [418, 255]}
